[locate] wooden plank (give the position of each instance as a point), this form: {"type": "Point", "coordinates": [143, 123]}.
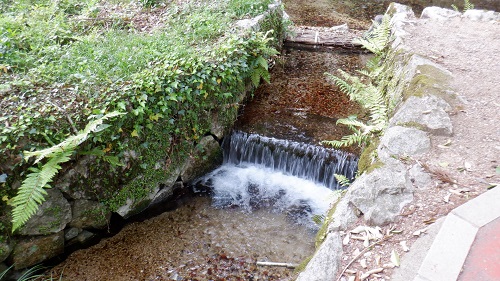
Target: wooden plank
{"type": "Point", "coordinates": [323, 36]}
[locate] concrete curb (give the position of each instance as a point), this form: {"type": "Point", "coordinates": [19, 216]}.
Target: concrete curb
{"type": "Point", "coordinates": [446, 256]}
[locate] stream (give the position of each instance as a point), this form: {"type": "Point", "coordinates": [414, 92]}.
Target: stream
{"type": "Point", "coordinates": [258, 206]}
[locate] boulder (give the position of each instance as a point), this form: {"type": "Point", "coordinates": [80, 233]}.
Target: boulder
{"type": "Point", "coordinates": [325, 262]}
{"type": "Point", "coordinates": [69, 183]}
{"type": "Point", "coordinates": [482, 15]}
{"type": "Point", "coordinates": [89, 214]}
{"type": "Point", "coordinates": [71, 233]}
{"type": "Point", "coordinates": [166, 189]}
{"type": "Point", "coordinates": [5, 249]}
{"type": "Point", "coordinates": [51, 217]}
{"type": "Point", "coordinates": [402, 141]}
{"type": "Point", "coordinates": [134, 206]}
{"type": "Point", "coordinates": [381, 195]}
{"type": "Point", "coordinates": [419, 177]}
{"type": "Point", "coordinates": [400, 16]}
{"type": "Point", "coordinates": [438, 13]}
{"type": "Point", "coordinates": [197, 164]}
{"type": "Point", "coordinates": [427, 112]}
{"type": "Point", "coordinates": [36, 249]}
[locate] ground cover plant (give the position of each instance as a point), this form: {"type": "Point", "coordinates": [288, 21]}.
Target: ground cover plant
{"type": "Point", "coordinates": [167, 65]}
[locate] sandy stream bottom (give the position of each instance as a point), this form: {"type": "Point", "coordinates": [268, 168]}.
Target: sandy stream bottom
{"type": "Point", "coordinates": [195, 242]}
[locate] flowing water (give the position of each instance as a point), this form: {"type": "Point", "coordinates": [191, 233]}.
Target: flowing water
{"type": "Point", "coordinates": [283, 176]}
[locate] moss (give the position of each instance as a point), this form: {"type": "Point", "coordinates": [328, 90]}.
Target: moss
{"type": "Point", "coordinates": [98, 214]}
{"type": "Point", "coordinates": [303, 265]}
{"type": "Point", "coordinates": [413, 125]}
{"type": "Point", "coordinates": [375, 165]}
{"type": "Point", "coordinates": [366, 157]}
{"type": "Point", "coordinates": [430, 80]}
{"type": "Point", "coordinates": [322, 232]}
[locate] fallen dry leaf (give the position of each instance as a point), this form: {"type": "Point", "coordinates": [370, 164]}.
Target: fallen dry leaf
{"type": "Point", "coordinates": [404, 246]}
{"type": "Point", "coordinates": [346, 239]}
{"type": "Point", "coordinates": [395, 258]}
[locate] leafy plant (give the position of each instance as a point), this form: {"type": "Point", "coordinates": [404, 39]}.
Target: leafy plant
{"type": "Point", "coordinates": [30, 274]}
{"type": "Point", "coordinates": [467, 6]}
{"type": "Point", "coordinates": [378, 38]}
{"type": "Point", "coordinates": [31, 193]}
{"type": "Point", "coordinates": [342, 180]}
{"type": "Point", "coordinates": [368, 91]}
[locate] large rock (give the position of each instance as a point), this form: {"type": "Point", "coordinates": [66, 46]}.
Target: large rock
{"type": "Point", "coordinates": [400, 16]}
{"type": "Point", "coordinates": [428, 112]}
{"type": "Point", "coordinates": [51, 217]}
{"type": "Point", "coordinates": [71, 181]}
{"type": "Point", "coordinates": [325, 262]}
{"type": "Point", "coordinates": [381, 195]}
{"type": "Point", "coordinates": [166, 189]}
{"type": "Point", "coordinates": [482, 15]}
{"type": "Point", "coordinates": [402, 141]}
{"type": "Point", "coordinates": [197, 165]}
{"type": "Point", "coordinates": [134, 206]}
{"type": "Point", "coordinates": [159, 192]}
{"type": "Point", "coordinates": [29, 252]}
{"type": "Point", "coordinates": [437, 13]}
{"type": "Point", "coordinates": [89, 214]}
{"type": "Point", "coordinates": [5, 249]}
{"type": "Point", "coordinates": [422, 74]}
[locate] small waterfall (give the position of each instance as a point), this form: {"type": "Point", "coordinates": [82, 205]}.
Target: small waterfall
{"type": "Point", "coordinates": [284, 176]}
{"type": "Point", "coordinates": [310, 162]}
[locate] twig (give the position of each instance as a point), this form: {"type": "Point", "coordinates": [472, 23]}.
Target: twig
{"type": "Point", "coordinates": [67, 117]}
{"type": "Point", "coordinates": [362, 252]}
{"type": "Point", "coordinates": [282, 264]}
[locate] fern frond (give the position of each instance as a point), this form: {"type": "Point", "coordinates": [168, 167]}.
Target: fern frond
{"type": "Point", "coordinates": [31, 193]}
{"type": "Point", "coordinates": [72, 142]}
{"type": "Point", "coordinates": [468, 5]}
{"type": "Point", "coordinates": [378, 38]}
{"type": "Point", "coordinates": [342, 180]}
{"type": "Point", "coordinates": [352, 123]}
{"type": "Point", "coordinates": [356, 138]}
{"type": "Point", "coordinates": [347, 84]}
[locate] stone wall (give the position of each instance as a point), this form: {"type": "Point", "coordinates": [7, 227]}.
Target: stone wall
{"type": "Point", "coordinates": [423, 101]}
{"type": "Point", "coordinates": [73, 211]}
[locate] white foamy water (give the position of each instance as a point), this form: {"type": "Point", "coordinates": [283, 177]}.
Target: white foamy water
{"type": "Point", "coordinates": [251, 187]}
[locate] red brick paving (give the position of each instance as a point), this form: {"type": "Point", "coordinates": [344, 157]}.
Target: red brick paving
{"type": "Point", "coordinates": [483, 260]}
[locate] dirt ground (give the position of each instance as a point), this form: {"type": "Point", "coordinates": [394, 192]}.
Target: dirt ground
{"type": "Point", "coordinates": [463, 165]}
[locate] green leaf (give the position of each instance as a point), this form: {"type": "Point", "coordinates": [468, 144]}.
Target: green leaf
{"type": "Point", "coordinates": [31, 193]}
{"type": "Point", "coordinates": [71, 142]}
{"type": "Point", "coordinates": [113, 160]}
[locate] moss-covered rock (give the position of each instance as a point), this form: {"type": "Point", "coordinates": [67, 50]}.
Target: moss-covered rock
{"type": "Point", "coordinates": [89, 214]}
{"type": "Point", "coordinates": [29, 252]}
{"type": "Point", "coordinates": [52, 216]}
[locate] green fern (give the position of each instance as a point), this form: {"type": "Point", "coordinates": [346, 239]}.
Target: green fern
{"type": "Point", "coordinates": [467, 6]}
{"type": "Point", "coordinates": [379, 37]}
{"type": "Point", "coordinates": [363, 91]}
{"type": "Point", "coordinates": [342, 180]}
{"type": "Point", "coordinates": [31, 193]}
